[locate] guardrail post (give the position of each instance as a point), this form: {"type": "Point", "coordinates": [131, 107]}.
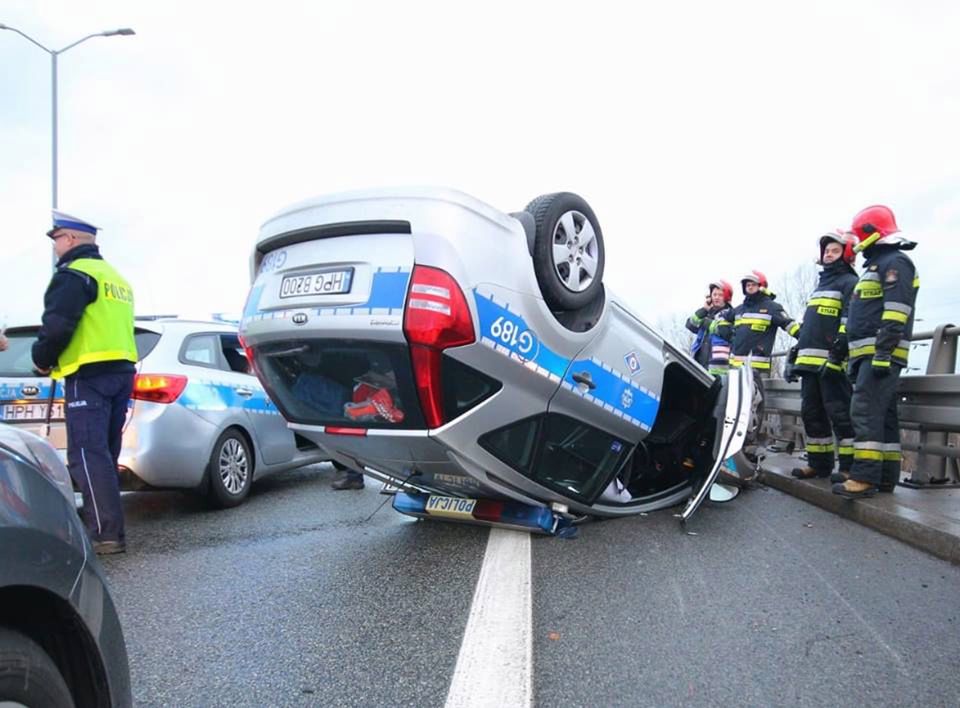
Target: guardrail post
{"type": "Point", "coordinates": [943, 360]}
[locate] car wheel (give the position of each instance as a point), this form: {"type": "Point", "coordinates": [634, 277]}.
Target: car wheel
{"type": "Point", "coordinates": [230, 469]}
{"type": "Point", "coordinates": [568, 253]}
{"type": "Point", "coordinates": [28, 675]}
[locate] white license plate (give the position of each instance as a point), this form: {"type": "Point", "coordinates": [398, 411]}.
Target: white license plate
{"type": "Point", "coordinates": [32, 411]}
{"type": "Point", "coordinates": [451, 506]}
{"type": "Point", "coordinates": [329, 282]}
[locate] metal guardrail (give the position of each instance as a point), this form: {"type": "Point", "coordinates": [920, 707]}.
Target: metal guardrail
{"type": "Point", "coordinates": [929, 405]}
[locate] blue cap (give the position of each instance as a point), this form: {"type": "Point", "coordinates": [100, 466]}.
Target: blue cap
{"type": "Point", "coordinates": [62, 220]}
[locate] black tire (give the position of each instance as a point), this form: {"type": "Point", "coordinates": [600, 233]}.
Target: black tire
{"type": "Point", "coordinates": [554, 278]}
{"type": "Point", "coordinates": [28, 674]}
{"type": "Point", "coordinates": [227, 489]}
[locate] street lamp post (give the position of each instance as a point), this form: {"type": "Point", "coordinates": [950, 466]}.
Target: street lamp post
{"type": "Point", "coordinates": [54, 53]}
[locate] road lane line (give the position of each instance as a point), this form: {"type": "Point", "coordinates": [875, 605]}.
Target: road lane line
{"type": "Point", "coordinates": [495, 665]}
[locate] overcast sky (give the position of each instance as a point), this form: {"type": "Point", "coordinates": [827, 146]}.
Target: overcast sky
{"type": "Point", "coordinates": [710, 138]}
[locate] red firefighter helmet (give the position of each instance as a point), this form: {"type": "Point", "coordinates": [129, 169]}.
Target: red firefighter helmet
{"type": "Point", "coordinates": [754, 276]}
{"type": "Point", "coordinates": [847, 240]}
{"type": "Point", "coordinates": [872, 220]}
{"type": "Point", "coordinates": [724, 287]}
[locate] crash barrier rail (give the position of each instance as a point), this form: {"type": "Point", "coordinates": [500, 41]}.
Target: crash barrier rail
{"type": "Point", "coordinates": [929, 411]}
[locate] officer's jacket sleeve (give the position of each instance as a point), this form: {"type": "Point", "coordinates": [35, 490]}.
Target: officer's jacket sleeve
{"type": "Point", "coordinates": [899, 296]}
{"type": "Point", "coordinates": [697, 320]}
{"type": "Point", "coordinates": [67, 296]}
{"type": "Point", "coordinates": [784, 321]}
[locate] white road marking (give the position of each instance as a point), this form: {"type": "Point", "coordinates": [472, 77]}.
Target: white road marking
{"type": "Point", "coordinates": [495, 665]}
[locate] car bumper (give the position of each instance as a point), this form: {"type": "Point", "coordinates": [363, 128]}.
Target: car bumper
{"type": "Point", "coordinates": [166, 445]}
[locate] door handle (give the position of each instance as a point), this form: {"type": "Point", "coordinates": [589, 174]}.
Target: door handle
{"type": "Point", "coordinates": [245, 392]}
{"type": "Point", "coordinates": [584, 378]}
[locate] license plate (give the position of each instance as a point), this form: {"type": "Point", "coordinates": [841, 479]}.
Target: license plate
{"type": "Point", "coordinates": [34, 412]}
{"type": "Point", "coordinates": [329, 282]}
{"type": "Point", "coordinates": [452, 507]}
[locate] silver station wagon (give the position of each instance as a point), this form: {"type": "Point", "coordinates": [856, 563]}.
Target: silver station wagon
{"type": "Point", "coordinates": [199, 419]}
{"type": "Point", "coordinates": [474, 360]}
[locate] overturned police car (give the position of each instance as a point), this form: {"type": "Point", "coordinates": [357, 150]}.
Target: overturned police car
{"type": "Point", "coordinates": [474, 360]}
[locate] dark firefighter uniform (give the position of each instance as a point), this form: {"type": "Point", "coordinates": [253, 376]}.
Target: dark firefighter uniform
{"type": "Point", "coordinates": [825, 389]}
{"type": "Point", "coordinates": [879, 326]}
{"type": "Point", "coordinates": [87, 339]}
{"type": "Point", "coordinates": [709, 350]}
{"type": "Point", "coordinates": [751, 329]}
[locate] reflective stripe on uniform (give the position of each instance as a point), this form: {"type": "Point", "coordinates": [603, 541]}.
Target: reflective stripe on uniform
{"type": "Point", "coordinates": [868, 451]}
{"type": "Point", "coordinates": [812, 357]}
{"type": "Point", "coordinates": [892, 452]}
{"type": "Point", "coordinates": [896, 312]}
{"type": "Point", "coordinates": [846, 446]}
{"type": "Point", "coordinates": [823, 353]}
{"type": "Point", "coordinates": [819, 445]}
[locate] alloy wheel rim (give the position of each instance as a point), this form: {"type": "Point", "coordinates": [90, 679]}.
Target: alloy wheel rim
{"type": "Point", "coordinates": [574, 251]}
{"type": "Point", "coordinates": [234, 466]}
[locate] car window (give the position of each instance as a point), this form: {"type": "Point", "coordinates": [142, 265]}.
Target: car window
{"type": "Point", "coordinates": [514, 444]}
{"type": "Point", "coordinates": [561, 453]}
{"type": "Point", "coordinates": [576, 458]}
{"type": "Point", "coordinates": [341, 383]}
{"type": "Point", "coordinates": [201, 349]}
{"type": "Point", "coordinates": [17, 359]}
{"type": "Point", "coordinates": [146, 341]}
{"type": "Point", "coordinates": [234, 357]}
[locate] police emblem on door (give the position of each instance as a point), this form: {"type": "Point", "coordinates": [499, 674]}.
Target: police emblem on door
{"type": "Point", "coordinates": [632, 360]}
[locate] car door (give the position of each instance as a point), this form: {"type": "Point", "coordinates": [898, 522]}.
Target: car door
{"type": "Point", "coordinates": [613, 384]}
{"type": "Point", "coordinates": [275, 440]}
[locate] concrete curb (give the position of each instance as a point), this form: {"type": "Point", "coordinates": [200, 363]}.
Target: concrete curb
{"type": "Point", "coordinates": [935, 533]}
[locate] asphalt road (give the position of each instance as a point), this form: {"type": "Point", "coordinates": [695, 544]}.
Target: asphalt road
{"type": "Point", "coordinates": [301, 597]}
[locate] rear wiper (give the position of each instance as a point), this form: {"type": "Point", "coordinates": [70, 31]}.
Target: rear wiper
{"type": "Point", "coordinates": [292, 350]}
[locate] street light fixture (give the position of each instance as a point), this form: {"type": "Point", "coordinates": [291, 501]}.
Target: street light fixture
{"type": "Point", "coordinates": [54, 53]}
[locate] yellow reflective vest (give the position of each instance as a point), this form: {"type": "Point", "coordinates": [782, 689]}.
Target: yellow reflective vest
{"type": "Point", "coordinates": [105, 330]}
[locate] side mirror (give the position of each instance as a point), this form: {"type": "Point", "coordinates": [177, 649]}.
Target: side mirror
{"type": "Point", "coordinates": [722, 493]}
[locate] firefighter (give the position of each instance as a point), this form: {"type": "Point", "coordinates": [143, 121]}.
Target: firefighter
{"type": "Point", "coordinates": [879, 325]}
{"type": "Point", "coordinates": [751, 329]}
{"type": "Point", "coordinates": [709, 350]}
{"type": "Point", "coordinates": [821, 342]}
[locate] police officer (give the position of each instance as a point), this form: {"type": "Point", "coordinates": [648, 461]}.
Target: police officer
{"type": "Point", "coordinates": [825, 389]}
{"type": "Point", "coordinates": [709, 350]}
{"type": "Point", "coordinates": [879, 326]}
{"type": "Point", "coordinates": [751, 328]}
{"type": "Point", "coordinates": [86, 339]}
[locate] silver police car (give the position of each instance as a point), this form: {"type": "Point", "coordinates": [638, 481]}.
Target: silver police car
{"type": "Point", "coordinates": [475, 360]}
{"type": "Point", "coordinates": [199, 419]}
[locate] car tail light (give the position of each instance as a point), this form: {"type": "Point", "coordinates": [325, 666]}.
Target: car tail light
{"type": "Point", "coordinates": [158, 388]}
{"type": "Point", "coordinates": [334, 430]}
{"type": "Point", "coordinates": [436, 317]}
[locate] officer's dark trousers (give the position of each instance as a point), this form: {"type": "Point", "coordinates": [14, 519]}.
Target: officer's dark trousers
{"type": "Point", "coordinates": [95, 412]}
{"type": "Point", "coordinates": [876, 442]}
{"type": "Point", "coordinates": [825, 410]}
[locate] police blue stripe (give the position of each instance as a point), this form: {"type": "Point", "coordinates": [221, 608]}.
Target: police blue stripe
{"type": "Point", "coordinates": [611, 389]}
{"type": "Point", "coordinates": [489, 312]}
{"type": "Point", "coordinates": [389, 291]}
{"type": "Point", "coordinates": [204, 396]}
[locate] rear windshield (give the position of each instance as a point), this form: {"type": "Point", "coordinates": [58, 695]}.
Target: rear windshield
{"type": "Point", "coordinates": [17, 360]}
{"type": "Point", "coordinates": [343, 383]}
